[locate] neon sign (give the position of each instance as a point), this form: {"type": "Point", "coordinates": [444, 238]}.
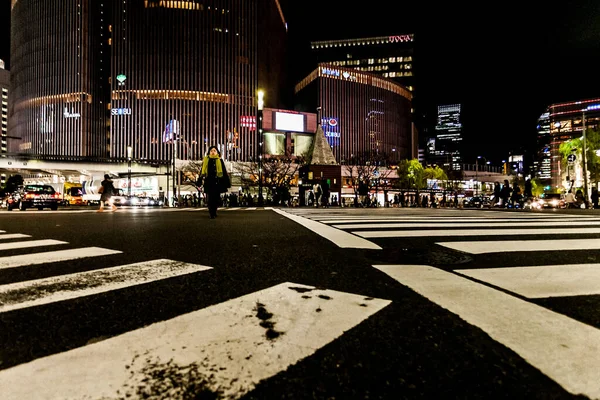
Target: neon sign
{"type": "Point", "coordinates": [120, 111]}
{"type": "Point", "coordinates": [248, 121]}
{"type": "Point", "coordinates": [71, 114]}
{"type": "Point", "coordinates": [400, 38]}
{"type": "Point", "coordinates": [331, 72]}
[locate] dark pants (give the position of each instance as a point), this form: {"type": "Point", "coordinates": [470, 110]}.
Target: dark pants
{"type": "Point", "coordinates": [214, 198]}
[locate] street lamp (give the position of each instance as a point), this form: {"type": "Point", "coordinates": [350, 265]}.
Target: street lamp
{"type": "Point", "coordinates": [129, 156]}
{"type": "Point", "coordinates": [259, 117]}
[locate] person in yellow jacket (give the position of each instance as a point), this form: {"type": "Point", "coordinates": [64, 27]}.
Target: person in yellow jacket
{"type": "Point", "coordinates": [215, 178]}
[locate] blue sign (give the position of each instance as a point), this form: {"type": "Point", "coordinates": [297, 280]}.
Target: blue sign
{"type": "Point", "coordinates": [332, 72]}
{"type": "Point", "coordinates": [331, 128]}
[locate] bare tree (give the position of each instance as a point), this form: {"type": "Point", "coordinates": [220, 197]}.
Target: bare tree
{"type": "Point", "coordinates": [370, 169]}
{"type": "Point", "coordinates": [278, 174]}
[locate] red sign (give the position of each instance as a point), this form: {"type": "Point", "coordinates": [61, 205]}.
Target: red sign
{"type": "Point", "coordinates": [248, 121]}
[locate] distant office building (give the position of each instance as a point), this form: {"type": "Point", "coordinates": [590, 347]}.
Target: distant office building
{"type": "Point", "coordinates": [142, 73]}
{"type": "Point", "coordinates": [362, 115]}
{"type": "Point", "coordinates": [387, 56]}
{"type": "Point", "coordinates": [566, 121]}
{"type": "Point", "coordinates": [445, 148]}
{"type": "Point", "coordinates": [542, 163]}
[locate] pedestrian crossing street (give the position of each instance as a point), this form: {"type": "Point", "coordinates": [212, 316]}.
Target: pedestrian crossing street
{"type": "Point", "coordinates": [223, 350]}
{"type": "Point", "coordinates": [497, 300]}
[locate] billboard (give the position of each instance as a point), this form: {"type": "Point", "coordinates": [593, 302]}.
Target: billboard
{"type": "Point", "coordinates": [289, 122]}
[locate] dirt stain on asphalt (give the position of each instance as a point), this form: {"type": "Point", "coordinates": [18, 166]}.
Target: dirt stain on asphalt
{"type": "Point", "coordinates": [168, 380]}
{"type": "Point", "coordinates": [265, 317]}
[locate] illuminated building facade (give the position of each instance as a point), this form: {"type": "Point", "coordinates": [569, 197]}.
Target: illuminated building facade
{"type": "Point", "coordinates": [4, 89]}
{"type": "Point", "coordinates": [542, 163]}
{"type": "Point", "coordinates": [360, 113]}
{"type": "Point", "coordinates": [387, 56]}
{"type": "Point", "coordinates": [143, 73]}
{"type": "Point", "coordinates": [59, 92]}
{"type": "Point", "coordinates": [566, 122]}
{"type": "Point", "coordinates": [445, 148]}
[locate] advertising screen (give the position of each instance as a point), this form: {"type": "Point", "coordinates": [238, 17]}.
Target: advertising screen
{"type": "Point", "coordinates": [289, 122]}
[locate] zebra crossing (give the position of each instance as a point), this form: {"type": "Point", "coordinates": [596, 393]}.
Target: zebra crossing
{"type": "Point", "coordinates": [225, 349]}
{"type": "Point", "coordinates": [496, 300]}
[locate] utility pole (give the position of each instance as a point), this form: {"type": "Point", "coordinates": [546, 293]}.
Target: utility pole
{"type": "Point", "coordinates": [129, 156]}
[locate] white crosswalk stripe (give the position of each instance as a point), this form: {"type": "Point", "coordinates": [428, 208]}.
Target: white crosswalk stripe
{"type": "Point", "coordinates": [250, 338]}
{"type": "Point", "coordinates": [548, 340]}
{"type": "Point", "coordinates": [64, 287]}
{"type": "Point", "coordinates": [234, 355]}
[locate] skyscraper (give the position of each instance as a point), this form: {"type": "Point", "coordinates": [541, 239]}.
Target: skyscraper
{"type": "Point", "coordinates": [141, 73]}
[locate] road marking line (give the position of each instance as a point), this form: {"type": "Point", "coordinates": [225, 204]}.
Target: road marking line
{"type": "Point", "coordinates": [30, 243]}
{"type": "Point", "coordinates": [477, 232]}
{"type": "Point", "coordinates": [251, 208]}
{"type": "Point", "coordinates": [542, 281]}
{"type": "Point", "coordinates": [491, 224]}
{"type": "Point", "coordinates": [65, 287]}
{"type": "Point", "coordinates": [564, 349]}
{"type": "Point", "coordinates": [482, 247]}
{"type": "Point", "coordinates": [448, 220]}
{"type": "Point", "coordinates": [13, 236]}
{"type": "Point", "coordinates": [53, 256]}
{"type": "Point", "coordinates": [233, 346]}
{"type": "Point", "coordinates": [338, 237]}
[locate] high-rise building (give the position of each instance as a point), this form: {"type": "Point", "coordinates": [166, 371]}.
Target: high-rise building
{"type": "Point", "coordinates": [566, 121]}
{"type": "Point", "coordinates": [362, 115]}
{"type": "Point", "coordinates": [446, 147]}
{"type": "Point", "coordinates": [542, 163]}
{"type": "Point", "coordinates": [141, 73]}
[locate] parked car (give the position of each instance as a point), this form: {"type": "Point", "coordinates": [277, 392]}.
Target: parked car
{"type": "Point", "coordinates": [33, 196]}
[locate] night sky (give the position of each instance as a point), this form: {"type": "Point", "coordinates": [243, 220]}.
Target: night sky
{"type": "Point", "coordinates": [505, 62]}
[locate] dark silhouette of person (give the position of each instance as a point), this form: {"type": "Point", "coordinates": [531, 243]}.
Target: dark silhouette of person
{"type": "Point", "coordinates": [108, 189]}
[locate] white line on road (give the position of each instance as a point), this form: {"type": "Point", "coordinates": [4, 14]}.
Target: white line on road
{"type": "Point", "coordinates": [477, 232]}
{"type": "Point", "coordinates": [53, 256]}
{"type": "Point", "coordinates": [30, 243]}
{"type": "Point", "coordinates": [232, 346]}
{"type": "Point", "coordinates": [339, 237]}
{"type": "Point", "coordinates": [13, 236]}
{"type": "Point", "coordinates": [491, 224]}
{"type": "Point", "coordinates": [542, 281]}
{"type": "Point", "coordinates": [329, 220]}
{"type": "Point", "coordinates": [564, 349]}
{"type": "Point", "coordinates": [48, 290]}
{"type": "Point", "coordinates": [482, 247]}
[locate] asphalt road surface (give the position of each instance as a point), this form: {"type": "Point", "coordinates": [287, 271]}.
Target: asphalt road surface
{"type": "Point", "coordinates": [299, 303]}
